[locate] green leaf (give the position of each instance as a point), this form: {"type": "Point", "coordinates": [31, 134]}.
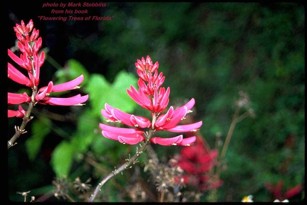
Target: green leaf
{"type": "Point", "coordinates": [62, 158]}
{"type": "Point", "coordinates": [124, 80]}
{"type": "Point", "coordinates": [98, 88]}
{"type": "Point", "coordinates": [86, 131]}
{"type": "Point", "coordinates": [72, 70]}
{"type": "Point", "coordinates": [121, 100]}
{"type": "Point", "coordinates": [33, 144]}
{"type": "Point", "coordinates": [119, 97]}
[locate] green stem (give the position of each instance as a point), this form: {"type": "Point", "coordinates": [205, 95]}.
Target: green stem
{"type": "Point", "coordinates": [230, 133]}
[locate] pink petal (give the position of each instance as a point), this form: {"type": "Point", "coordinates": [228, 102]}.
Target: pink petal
{"type": "Point", "coordinates": [124, 138]}
{"type": "Point", "coordinates": [108, 113]}
{"type": "Point", "coordinates": [70, 85]}
{"type": "Point", "coordinates": [43, 92]}
{"type": "Point", "coordinates": [293, 191]}
{"type": "Point", "coordinates": [130, 140]}
{"type": "Point", "coordinates": [165, 99]}
{"type": "Point", "coordinates": [176, 117]}
{"type": "Point", "coordinates": [109, 135]}
{"type": "Point", "coordinates": [17, 113]}
{"type": "Point", "coordinates": [118, 130]}
{"type": "Point", "coordinates": [139, 97]}
{"type": "Point", "coordinates": [16, 98]}
{"type": "Point", "coordinates": [163, 119]}
{"type": "Point", "coordinates": [76, 100]}
{"type": "Point", "coordinates": [15, 57]}
{"type": "Point", "coordinates": [188, 166]}
{"type": "Point", "coordinates": [139, 121]}
{"type": "Point", "coordinates": [167, 141]}
{"type": "Point", "coordinates": [186, 128]}
{"type": "Point", "coordinates": [187, 141]}
{"type": "Point", "coordinates": [17, 76]}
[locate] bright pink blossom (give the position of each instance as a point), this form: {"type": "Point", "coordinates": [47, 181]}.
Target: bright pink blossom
{"type": "Point", "coordinates": [17, 113]}
{"type": "Point", "coordinates": [154, 98]}
{"type": "Point", "coordinates": [30, 60]}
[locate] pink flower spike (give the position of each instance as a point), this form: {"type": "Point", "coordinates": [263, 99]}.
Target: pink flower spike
{"type": "Point", "coordinates": [17, 76]}
{"type": "Point", "coordinates": [16, 98]}
{"type": "Point", "coordinates": [17, 113]}
{"type": "Point", "coordinates": [167, 141]}
{"type": "Point", "coordinates": [76, 100]}
{"type": "Point", "coordinates": [187, 141]}
{"type": "Point", "coordinates": [186, 128]}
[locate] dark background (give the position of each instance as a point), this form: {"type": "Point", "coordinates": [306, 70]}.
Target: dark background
{"type": "Point", "coordinates": [209, 51]}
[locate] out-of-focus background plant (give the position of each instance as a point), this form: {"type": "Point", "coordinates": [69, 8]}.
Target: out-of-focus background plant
{"type": "Point", "coordinates": [213, 52]}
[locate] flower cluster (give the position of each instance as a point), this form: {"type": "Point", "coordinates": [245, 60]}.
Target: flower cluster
{"type": "Point", "coordinates": [30, 60]}
{"type": "Point", "coordinates": [278, 192]}
{"type": "Point", "coordinates": [197, 161]}
{"type": "Point", "coordinates": [154, 98]}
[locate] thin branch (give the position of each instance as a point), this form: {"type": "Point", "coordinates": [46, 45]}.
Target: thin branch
{"type": "Point", "coordinates": [21, 130]}
{"type": "Point", "coordinates": [124, 166]}
{"type": "Point", "coordinates": [230, 132]}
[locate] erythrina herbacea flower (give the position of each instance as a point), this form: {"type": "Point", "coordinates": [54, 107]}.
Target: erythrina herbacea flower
{"type": "Point", "coordinates": [280, 194]}
{"type": "Point", "coordinates": [154, 98]}
{"type": "Point", "coordinates": [30, 60]}
{"type": "Point", "coordinates": [197, 161]}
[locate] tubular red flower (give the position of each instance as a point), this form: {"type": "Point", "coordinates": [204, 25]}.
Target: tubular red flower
{"type": "Point", "coordinates": [196, 161]}
{"type": "Point", "coordinates": [167, 141]}
{"type": "Point", "coordinates": [117, 115]}
{"type": "Point", "coordinates": [76, 100]}
{"type": "Point", "coordinates": [123, 135]}
{"type": "Point", "coordinates": [131, 139]}
{"type": "Point", "coordinates": [42, 93]}
{"type": "Point", "coordinates": [160, 100]}
{"type": "Point", "coordinates": [119, 130]}
{"type": "Point", "coordinates": [17, 113]}
{"type": "Point", "coordinates": [173, 117]}
{"type": "Point", "coordinates": [17, 76]}
{"type": "Point", "coordinates": [15, 58]}
{"type": "Point", "coordinates": [139, 97]}
{"type": "Point", "coordinates": [16, 98]}
{"type": "Point", "coordinates": [186, 128]}
{"type": "Point", "coordinates": [187, 141]}
{"type": "Point", "coordinates": [69, 85]}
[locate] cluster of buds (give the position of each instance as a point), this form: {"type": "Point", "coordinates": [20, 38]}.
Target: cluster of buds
{"type": "Point", "coordinates": [154, 98]}
{"type": "Point", "coordinates": [30, 60]}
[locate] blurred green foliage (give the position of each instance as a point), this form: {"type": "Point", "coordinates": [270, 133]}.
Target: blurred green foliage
{"type": "Point", "coordinates": [209, 51]}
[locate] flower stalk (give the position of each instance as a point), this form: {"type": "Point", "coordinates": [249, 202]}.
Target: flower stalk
{"type": "Point", "coordinates": [122, 168]}
{"type": "Point", "coordinates": [30, 58]}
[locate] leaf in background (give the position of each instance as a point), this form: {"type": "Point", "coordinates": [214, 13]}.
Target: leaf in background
{"type": "Point", "coordinates": [98, 89]}
{"type": "Point", "coordinates": [124, 80]}
{"type": "Point", "coordinates": [33, 144]}
{"type": "Point", "coordinates": [119, 97]}
{"type": "Point", "coordinates": [86, 131]}
{"type": "Point", "coordinates": [62, 158]}
{"type": "Point", "coordinates": [72, 70]}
